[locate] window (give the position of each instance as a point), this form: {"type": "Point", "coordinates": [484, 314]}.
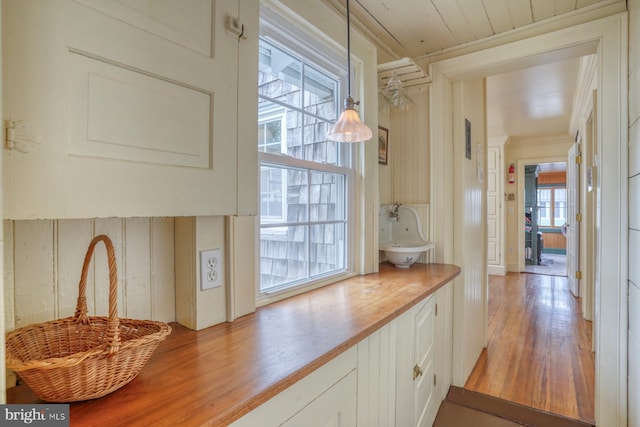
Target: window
{"type": "Point", "coordinates": [552, 203]}
{"type": "Point", "coordinates": [304, 179]}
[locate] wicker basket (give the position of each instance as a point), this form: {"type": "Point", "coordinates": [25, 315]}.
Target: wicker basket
{"type": "Point", "coordinates": [83, 357]}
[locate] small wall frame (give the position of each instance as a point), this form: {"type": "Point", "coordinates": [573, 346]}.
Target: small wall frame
{"type": "Point", "coordinates": [383, 145]}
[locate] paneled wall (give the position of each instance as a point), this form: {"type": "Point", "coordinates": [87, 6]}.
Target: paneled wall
{"type": "Point", "coordinates": [470, 234]}
{"type": "Point", "coordinates": [634, 213]}
{"type": "Point", "coordinates": [409, 151]}
{"type": "Point", "coordinates": [43, 260]}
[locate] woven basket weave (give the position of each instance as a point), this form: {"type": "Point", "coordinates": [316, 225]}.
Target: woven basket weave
{"type": "Point", "coordinates": [83, 357]}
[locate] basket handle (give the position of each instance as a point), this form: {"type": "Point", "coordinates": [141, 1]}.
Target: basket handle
{"type": "Point", "coordinates": [113, 323]}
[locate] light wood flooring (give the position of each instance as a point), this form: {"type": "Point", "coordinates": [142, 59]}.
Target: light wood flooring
{"type": "Point", "coordinates": [539, 350]}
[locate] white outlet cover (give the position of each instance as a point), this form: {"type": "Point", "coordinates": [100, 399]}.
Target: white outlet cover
{"type": "Point", "coordinates": [210, 273]}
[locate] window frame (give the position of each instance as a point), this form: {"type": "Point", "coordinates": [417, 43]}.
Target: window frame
{"type": "Point", "coordinates": [552, 208]}
{"type": "Point", "coordinates": [330, 60]}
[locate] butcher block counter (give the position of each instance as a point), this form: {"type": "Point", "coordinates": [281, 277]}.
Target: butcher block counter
{"type": "Point", "coordinates": [217, 375]}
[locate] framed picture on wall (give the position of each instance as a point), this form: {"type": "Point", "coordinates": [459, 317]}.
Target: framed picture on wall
{"type": "Point", "coordinates": [383, 145]}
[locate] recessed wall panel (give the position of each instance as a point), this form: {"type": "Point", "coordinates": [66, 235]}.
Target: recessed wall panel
{"type": "Point", "coordinates": [123, 114]}
{"type": "Point", "coordinates": [187, 23]}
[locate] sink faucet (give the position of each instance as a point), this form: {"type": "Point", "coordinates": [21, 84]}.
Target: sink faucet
{"type": "Point", "coordinates": [395, 214]}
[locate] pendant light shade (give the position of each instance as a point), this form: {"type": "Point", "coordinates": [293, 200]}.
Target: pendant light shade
{"type": "Point", "coordinates": [349, 127]}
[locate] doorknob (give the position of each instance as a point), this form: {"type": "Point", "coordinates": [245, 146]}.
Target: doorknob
{"type": "Point", "coordinates": [416, 372]}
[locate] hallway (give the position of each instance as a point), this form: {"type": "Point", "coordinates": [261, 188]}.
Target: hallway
{"type": "Point", "coordinates": [552, 264]}
{"type": "Point", "coordinates": [539, 347]}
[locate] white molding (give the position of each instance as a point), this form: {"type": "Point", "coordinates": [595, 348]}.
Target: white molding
{"type": "Point", "coordinates": [559, 22]}
{"type": "Point", "coordinates": [608, 37]}
{"type": "Point", "coordinates": [498, 140]}
{"type": "Point", "coordinates": [497, 270]}
{"type": "Point", "coordinates": [542, 140]}
{"type": "Point", "coordinates": [582, 101]}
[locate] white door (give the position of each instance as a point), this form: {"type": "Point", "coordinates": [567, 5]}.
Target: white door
{"type": "Point", "coordinates": [494, 201]}
{"type": "Point", "coordinates": [416, 400]}
{"type": "Point", "coordinates": [425, 405]}
{"type": "Point", "coordinates": [120, 105]}
{"type": "Point", "coordinates": [572, 225]}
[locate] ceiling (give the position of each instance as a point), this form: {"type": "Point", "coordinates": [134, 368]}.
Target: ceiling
{"type": "Point", "coordinates": [535, 101]}
{"type": "Point", "coordinates": [530, 102]}
{"type": "Point", "coordinates": [416, 28]}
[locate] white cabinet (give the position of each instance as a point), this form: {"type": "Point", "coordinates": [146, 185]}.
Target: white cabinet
{"type": "Point", "coordinates": [128, 108]}
{"type": "Point", "coordinates": [326, 397]}
{"type": "Point", "coordinates": [401, 374]}
{"type": "Point", "coordinates": [388, 379]}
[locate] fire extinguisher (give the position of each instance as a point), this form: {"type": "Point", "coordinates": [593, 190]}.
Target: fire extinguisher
{"type": "Point", "coordinates": [512, 173]}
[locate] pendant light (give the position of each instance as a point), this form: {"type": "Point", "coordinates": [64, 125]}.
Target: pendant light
{"type": "Point", "coordinates": [349, 128]}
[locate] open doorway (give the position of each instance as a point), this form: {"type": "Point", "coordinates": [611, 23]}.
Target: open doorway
{"type": "Point", "coordinates": [607, 37]}
{"type": "Point", "coordinates": [545, 218]}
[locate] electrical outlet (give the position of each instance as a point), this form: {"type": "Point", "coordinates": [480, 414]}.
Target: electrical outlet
{"type": "Point", "coordinates": [210, 272]}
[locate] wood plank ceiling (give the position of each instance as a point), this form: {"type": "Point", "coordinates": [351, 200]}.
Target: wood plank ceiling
{"type": "Point", "coordinates": [415, 28]}
{"type": "Point", "coordinates": [527, 103]}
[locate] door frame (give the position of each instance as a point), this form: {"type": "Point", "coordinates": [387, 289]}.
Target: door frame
{"type": "Point", "coordinates": [608, 37]}
{"type": "Point", "coordinates": [521, 163]}
{"type": "Point", "coordinates": [574, 230]}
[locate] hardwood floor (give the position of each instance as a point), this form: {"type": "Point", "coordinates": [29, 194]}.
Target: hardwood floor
{"type": "Point", "coordinates": [539, 350]}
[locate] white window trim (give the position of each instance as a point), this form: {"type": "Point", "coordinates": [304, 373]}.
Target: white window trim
{"type": "Point", "coordinates": [331, 59]}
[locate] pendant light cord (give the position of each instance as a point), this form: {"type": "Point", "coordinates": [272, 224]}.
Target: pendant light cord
{"type": "Point", "coordinates": [348, 51]}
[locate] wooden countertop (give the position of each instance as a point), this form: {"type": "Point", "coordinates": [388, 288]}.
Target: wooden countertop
{"type": "Point", "coordinates": [216, 375]}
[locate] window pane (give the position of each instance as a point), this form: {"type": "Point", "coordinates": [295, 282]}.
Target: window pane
{"type": "Point", "coordinates": [283, 256]}
{"type": "Point", "coordinates": [316, 147]}
{"type": "Point", "coordinates": [320, 94]}
{"type": "Point", "coordinates": [327, 248]}
{"type": "Point", "coordinates": [297, 195]}
{"type": "Point", "coordinates": [325, 203]}
{"type": "Point", "coordinates": [544, 205]}
{"type": "Point", "coordinates": [560, 206]}
{"type": "Point", "coordinates": [272, 208]}
{"type": "Point", "coordinates": [279, 130]}
{"type": "Point", "coordinates": [279, 75]}
{"type": "Point", "coordinates": [270, 136]}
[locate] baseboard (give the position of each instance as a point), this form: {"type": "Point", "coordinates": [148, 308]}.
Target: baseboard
{"type": "Point", "coordinates": [497, 270]}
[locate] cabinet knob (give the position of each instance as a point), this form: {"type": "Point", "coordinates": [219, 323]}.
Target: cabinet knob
{"type": "Point", "coordinates": [416, 372]}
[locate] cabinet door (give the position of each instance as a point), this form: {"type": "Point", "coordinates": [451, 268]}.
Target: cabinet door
{"type": "Point", "coordinates": [325, 397]}
{"type": "Point", "coordinates": [122, 107]}
{"type": "Point", "coordinates": [417, 404]}
{"type": "Point", "coordinates": [335, 407]}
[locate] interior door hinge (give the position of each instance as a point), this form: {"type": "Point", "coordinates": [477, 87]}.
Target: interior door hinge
{"type": "Point", "coordinates": [19, 136]}
{"type": "Point", "coordinates": [436, 309]}
{"type": "Point", "coordinates": [578, 217]}
{"type": "Point", "coordinates": [579, 159]}
{"type": "Point", "coordinates": [578, 274]}
{"type": "Point", "coordinates": [434, 380]}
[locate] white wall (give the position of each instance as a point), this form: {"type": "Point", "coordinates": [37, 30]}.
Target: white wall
{"type": "Point", "coordinates": [634, 213]}
{"type": "Point", "coordinates": [385, 172]}
{"type": "Point", "coordinates": [43, 260]}
{"type": "Point", "coordinates": [470, 235]}
{"type": "Point", "coordinates": [409, 151]}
